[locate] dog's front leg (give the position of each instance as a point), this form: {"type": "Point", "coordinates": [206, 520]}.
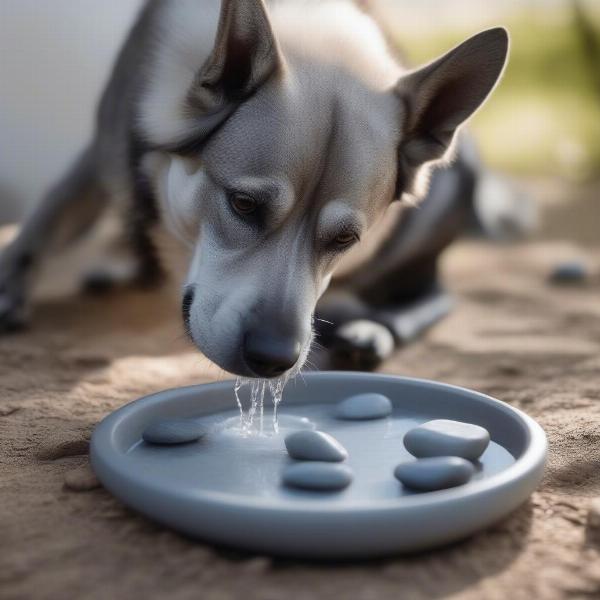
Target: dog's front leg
{"type": "Point", "coordinates": [68, 210]}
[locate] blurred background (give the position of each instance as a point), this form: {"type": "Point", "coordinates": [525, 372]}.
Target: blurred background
{"type": "Point", "coordinates": [542, 125]}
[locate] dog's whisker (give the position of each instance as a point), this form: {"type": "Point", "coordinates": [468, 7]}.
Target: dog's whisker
{"type": "Point", "coordinates": [317, 346]}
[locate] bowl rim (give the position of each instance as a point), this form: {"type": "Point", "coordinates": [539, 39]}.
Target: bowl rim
{"type": "Point", "coordinates": [105, 457]}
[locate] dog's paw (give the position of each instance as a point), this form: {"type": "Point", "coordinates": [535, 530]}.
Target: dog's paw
{"type": "Point", "coordinates": [98, 283]}
{"type": "Point", "coordinates": [361, 345]}
{"type": "Point", "coordinates": [13, 312]}
{"type": "Point", "coordinates": [110, 276]}
{"type": "Point", "coordinates": [14, 308]}
{"type": "Point", "coordinates": [107, 278]}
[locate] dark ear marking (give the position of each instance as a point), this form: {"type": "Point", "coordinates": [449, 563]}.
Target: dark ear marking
{"type": "Point", "coordinates": [245, 55]}
{"type": "Point", "coordinates": [437, 98]}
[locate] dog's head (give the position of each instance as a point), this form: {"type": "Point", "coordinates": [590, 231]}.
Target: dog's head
{"type": "Point", "coordinates": [279, 163]}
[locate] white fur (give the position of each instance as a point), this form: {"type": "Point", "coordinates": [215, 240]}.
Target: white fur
{"type": "Point", "coordinates": [185, 41]}
{"type": "Point", "coordinates": [336, 32]}
{"type": "Point", "coordinates": [183, 201]}
{"type": "Point", "coordinates": [177, 183]}
{"type": "Point", "coordinates": [330, 31]}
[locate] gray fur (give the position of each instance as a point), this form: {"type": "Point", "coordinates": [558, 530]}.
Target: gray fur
{"type": "Point", "coordinates": [313, 119]}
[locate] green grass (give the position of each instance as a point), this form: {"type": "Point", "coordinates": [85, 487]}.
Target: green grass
{"type": "Point", "coordinates": [544, 116]}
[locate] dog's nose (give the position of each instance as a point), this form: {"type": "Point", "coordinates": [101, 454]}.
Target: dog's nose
{"type": "Point", "coordinates": [269, 356]}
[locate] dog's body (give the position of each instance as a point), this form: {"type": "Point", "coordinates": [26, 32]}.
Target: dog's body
{"type": "Point", "coordinates": [256, 148]}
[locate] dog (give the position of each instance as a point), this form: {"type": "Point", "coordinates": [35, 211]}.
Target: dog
{"type": "Point", "coordinates": [266, 157]}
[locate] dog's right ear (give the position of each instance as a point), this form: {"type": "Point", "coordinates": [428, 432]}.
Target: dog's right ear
{"type": "Point", "coordinates": [245, 55]}
{"type": "Point", "coordinates": [439, 97]}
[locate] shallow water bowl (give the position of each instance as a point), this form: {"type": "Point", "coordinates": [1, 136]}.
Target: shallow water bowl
{"type": "Point", "coordinates": [226, 488]}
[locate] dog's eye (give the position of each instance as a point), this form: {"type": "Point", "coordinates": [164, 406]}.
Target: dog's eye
{"type": "Point", "coordinates": [345, 239]}
{"type": "Point", "coordinates": [243, 204]}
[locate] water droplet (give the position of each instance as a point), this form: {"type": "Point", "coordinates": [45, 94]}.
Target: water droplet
{"type": "Point", "coordinates": [256, 408]}
{"type": "Point", "coordinates": [236, 389]}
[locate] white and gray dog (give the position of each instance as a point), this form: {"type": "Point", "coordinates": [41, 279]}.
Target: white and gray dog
{"type": "Point", "coordinates": [253, 150]}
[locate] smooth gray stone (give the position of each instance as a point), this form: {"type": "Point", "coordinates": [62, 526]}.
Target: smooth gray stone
{"type": "Point", "coordinates": [443, 437]}
{"type": "Point", "coordinates": [309, 444]}
{"type": "Point", "coordinates": [322, 476]}
{"type": "Point", "coordinates": [173, 431]}
{"type": "Point", "coordinates": [570, 272]}
{"type": "Point", "coordinates": [231, 479]}
{"type": "Point", "coordinates": [434, 473]}
{"type": "Point", "coordinates": [364, 406]}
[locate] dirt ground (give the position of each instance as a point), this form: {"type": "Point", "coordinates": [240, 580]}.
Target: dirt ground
{"type": "Point", "coordinates": [512, 335]}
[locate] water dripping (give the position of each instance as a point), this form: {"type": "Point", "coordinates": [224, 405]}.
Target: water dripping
{"type": "Point", "coordinates": [236, 390]}
{"type": "Point", "coordinates": [256, 409]}
{"type": "Point", "coordinates": [276, 389]}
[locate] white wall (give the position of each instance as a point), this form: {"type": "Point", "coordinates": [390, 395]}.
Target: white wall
{"type": "Point", "coordinates": [54, 58]}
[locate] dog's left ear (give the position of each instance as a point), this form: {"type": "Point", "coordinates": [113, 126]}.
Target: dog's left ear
{"type": "Point", "coordinates": [245, 55]}
{"type": "Point", "coordinates": [439, 97]}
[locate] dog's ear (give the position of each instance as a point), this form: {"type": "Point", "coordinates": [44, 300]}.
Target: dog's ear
{"type": "Point", "coordinates": [244, 56]}
{"type": "Point", "coordinates": [440, 96]}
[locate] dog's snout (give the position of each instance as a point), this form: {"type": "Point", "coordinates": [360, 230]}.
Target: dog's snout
{"type": "Point", "coordinates": [270, 356]}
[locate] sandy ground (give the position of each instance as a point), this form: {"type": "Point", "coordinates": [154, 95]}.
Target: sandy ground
{"type": "Point", "coordinates": [512, 335]}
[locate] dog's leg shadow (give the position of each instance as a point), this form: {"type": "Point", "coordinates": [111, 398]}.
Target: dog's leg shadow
{"type": "Point", "coordinates": [76, 479]}
{"type": "Point", "coordinates": [54, 450]}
